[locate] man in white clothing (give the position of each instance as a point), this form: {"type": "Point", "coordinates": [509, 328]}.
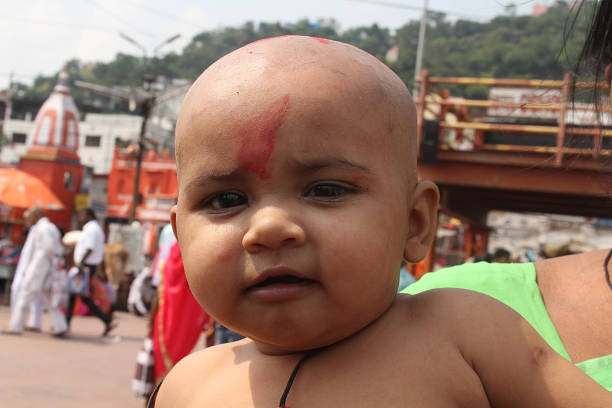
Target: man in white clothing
{"type": "Point", "coordinates": [35, 320]}
{"type": "Point", "coordinates": [88, 254]}
{"type": "Point", "coordinates": [45, 255]}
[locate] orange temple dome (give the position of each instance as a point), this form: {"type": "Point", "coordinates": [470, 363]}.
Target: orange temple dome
{"type": "Point", "coordinates": [56, 128]}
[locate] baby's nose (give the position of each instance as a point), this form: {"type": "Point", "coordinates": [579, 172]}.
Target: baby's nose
{"type": "Point", "coordinates": [272, 228]}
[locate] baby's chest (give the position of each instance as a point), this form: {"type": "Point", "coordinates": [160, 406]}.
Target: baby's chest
{"type": "Point", "coordinates": [357, 383]}
{"type": "Point", "coordinates": [392, 388]}
{"type": "Point", "coordinates": [418, 395]}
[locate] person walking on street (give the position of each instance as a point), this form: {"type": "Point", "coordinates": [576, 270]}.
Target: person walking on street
{"type": "Point", "coordinates": [88, 254]}
{"type": "Point", "coordinates": [35, 320]}
{"type": "Point", "coordinates": [44, 253]}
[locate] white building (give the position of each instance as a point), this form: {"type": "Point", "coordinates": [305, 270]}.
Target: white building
{"type": "Point", "coordinates": [98, 134]}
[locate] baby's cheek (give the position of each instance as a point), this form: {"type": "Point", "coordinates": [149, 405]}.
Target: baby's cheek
{"type": "Point", "coordinates": [203, 285]}
{"type": "Point", "coordinates": [224, 256]}
{"type": "Point", "coordinates": [210, 263]}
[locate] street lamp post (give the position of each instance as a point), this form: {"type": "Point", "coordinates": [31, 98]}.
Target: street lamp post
{"type": "Point", "coordinates": [137, 44]}
{"type": "Point", "coordinates": [166, 41]}
{"type": "Point", "coordinates": [420, 47]}
{"type": "Point", "coordinates": [146, 105]}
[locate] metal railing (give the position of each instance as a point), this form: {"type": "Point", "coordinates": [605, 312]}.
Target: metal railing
{"type": "Point", "coordinates": [445, 103]}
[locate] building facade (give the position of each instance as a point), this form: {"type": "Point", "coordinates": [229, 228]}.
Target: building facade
{"type": "Point", "coordinates": [98, 135]}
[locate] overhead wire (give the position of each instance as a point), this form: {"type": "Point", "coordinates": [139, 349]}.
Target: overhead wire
{"type": "Point", "coordinates": [511, 4]}
{"type": "Point", "coordinates": [163, 13]}
{"type": "Point", "coordinates": [17, 74]}
{"type": "Point", "coordinates": [58, 24]}
{"type": "Point", "coordinates": [121, 19]}
{"type": "Point", "coordinates": [404, 6]}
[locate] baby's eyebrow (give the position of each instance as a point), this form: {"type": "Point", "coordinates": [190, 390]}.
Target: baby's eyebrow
{"type": "Point", "coordinates": [213, 176]}
{"type": "Point", "coordinates": [239, 174]}
{"type": "Point", "coordinates": [332, 162]}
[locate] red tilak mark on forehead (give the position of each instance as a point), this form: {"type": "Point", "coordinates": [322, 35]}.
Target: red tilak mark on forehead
{"type": "Point", "coordinates": [258, 138]}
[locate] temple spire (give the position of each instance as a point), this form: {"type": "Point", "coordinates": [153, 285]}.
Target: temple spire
{"type": "Point", "coordinates": [56, 128]}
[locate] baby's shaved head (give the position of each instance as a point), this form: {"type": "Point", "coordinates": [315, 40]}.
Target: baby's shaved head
{"type": "Point", "coordinates": [295, 153]}
{"type": "Point", "coordinates": [313, 69]}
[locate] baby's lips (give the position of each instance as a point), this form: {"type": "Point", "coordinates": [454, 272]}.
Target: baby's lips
{"type": "Point", "coordinates": [279, 273]}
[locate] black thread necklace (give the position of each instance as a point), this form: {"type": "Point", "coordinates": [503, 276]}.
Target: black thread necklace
{"type": "Point", "coordinates": [283, 399]}
{"type": "Point", "coordinates": [152, 397]}
{"type": "Point", "coordinates": [606, 261]}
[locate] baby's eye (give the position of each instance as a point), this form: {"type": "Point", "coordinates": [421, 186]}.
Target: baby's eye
{"type": "Point", "coordinates": [328, 191]}
{"type": "Point", "coordinates": [225, 200]}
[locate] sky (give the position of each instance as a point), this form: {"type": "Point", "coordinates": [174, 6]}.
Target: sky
{"type": "Point", "coordinates": [38, 36]}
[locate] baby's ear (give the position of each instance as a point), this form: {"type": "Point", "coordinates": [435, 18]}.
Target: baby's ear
{"type": "Point", "coordinates": [173, 220]}
{"type": "Point", "coordinates": [423, 221]}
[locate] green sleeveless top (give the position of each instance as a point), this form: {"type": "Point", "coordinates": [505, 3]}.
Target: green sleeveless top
{"type": "Point", "coordinates": [515, 286]}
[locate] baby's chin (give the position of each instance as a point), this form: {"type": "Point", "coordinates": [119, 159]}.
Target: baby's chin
{"type": "Point", "coordinates": [311, 332]}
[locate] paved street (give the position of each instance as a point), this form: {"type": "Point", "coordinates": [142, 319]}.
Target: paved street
{"type": "Point", "coordinates": [84, 370]}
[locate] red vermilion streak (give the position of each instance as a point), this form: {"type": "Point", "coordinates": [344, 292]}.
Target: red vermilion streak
{"type": "Point", "coordinates": [258, 138]}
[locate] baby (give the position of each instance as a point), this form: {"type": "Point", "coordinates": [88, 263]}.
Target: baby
{"type": "Point", "coordinates": [298, 201]}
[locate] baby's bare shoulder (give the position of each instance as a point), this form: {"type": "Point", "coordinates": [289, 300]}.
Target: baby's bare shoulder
{"type": "Point", "coordinates": [457, 318]}
{"type": "Point", "coordinates": [459, 311]}
{"type": "Point", "coordinates": [446, 307]}
{"type": "Point", "coordinates": [502, 349]}
{"type": "Point", "coordinates": [197, 377]}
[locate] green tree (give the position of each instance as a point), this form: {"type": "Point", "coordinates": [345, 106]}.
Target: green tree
{"type": "Point", "coordinates": [507, 46]}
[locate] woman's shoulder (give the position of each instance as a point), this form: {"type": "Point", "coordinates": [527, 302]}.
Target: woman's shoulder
{"type": "Point", "coordinates": [571, 265]}
{"type": "Point", "coordinates": [481, 276]}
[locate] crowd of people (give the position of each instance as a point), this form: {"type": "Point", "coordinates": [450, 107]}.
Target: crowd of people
{"type": "Point", "coordinates": [54, 273]}
{"type": "Point", "coordinates": [72, 273]}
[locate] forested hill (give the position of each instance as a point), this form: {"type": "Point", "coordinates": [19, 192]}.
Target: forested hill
{"type": "Point", "coordinates": [504, 47]}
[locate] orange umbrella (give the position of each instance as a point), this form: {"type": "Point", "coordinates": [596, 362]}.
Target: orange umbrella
{"type": "Point", "coordinates": [22, 190]}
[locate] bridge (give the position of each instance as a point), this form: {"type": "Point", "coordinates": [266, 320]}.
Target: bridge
{"type": "Point", "coordinates": [523, 146]}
